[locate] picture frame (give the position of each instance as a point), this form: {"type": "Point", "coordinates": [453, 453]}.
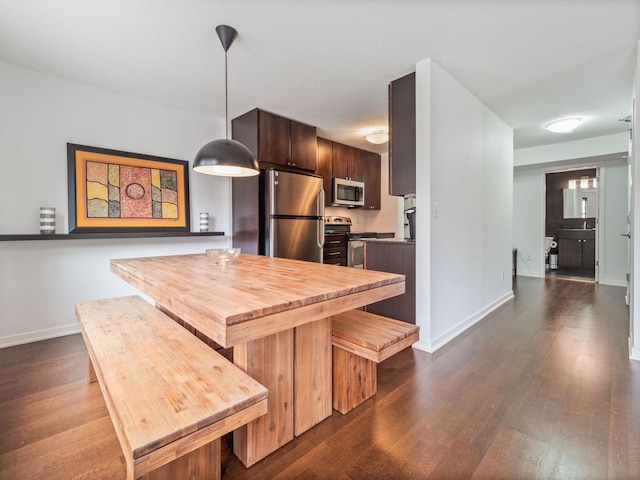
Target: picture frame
{"type": "Point", "coordinates": [112, 191]}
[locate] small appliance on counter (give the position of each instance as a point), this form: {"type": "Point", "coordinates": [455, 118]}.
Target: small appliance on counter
{"type": "Point", "coordinates": [410, 212]}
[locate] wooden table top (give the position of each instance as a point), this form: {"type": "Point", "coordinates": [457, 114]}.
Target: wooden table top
{"type": "Point", "coordinates": [251, 288]}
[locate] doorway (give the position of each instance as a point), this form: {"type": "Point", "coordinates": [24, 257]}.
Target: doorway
{"type": "Point", "coordinates": [571, 220]}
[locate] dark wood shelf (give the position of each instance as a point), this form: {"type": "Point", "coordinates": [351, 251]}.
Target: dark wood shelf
{"type": "Point", "coordinates": [104, 235]}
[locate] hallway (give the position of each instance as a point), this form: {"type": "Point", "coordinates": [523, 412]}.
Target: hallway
{"type": "Point", "coordinates": [542, 388]}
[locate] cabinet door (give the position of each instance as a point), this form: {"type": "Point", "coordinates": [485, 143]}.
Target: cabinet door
{"type": "Point", "coordinates": [340, 160]}
{"type": "Point", "coordinates": [324, 168]}
{"type": "Point", "coordinates": [335, 249]}
{"type": "Point", "coordinates": [304, 147]}
{"type": "Point", "coordinates": [275, 138]}
{"type": "Point", "coordinates": [402, 136]}
{"type": "Point", "coordinates": [588, 253]}
{"type": "Point", "coordinates": [569, 252]}
{"type": "Point", "coordinates": [372, 170]}
{"type": "Point", "coordinates": [355, 164]}
{"type": "Point", "coordinates": [394, 258]}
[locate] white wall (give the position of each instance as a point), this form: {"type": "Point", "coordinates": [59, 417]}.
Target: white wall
{"type": "Point", "coordinates": [529, 206]}
{"type": "Point", "coordinates": [589, 147]}
{"type": "Point", "coordinates": [464, 171]}
{"type": "Point", "coordinates": [634, 339]}
{"type": "Point", "coordinates": [40, 281]}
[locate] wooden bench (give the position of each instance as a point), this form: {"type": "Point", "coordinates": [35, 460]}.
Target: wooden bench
{"type": "Point", "coordinates": [170, 396]}
{"type": "Point", "coordinates": [361, 340]}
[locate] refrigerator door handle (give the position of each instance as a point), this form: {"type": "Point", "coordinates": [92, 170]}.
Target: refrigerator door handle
{"type": "Point", "coordinates": [321, 232]}
{"type": "Point", "coordinates": [272, 239]}
{"type": "Point", "coordinates": [320, 203]}
{"type": "Point", "coordinates": [320, 209]}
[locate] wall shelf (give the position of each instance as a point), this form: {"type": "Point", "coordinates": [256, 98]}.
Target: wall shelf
{"type": "Point", "coordinates": [104, 235]}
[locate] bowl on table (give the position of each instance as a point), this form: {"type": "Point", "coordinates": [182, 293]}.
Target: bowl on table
{"type": "Point", "coordinates": [223, 256]}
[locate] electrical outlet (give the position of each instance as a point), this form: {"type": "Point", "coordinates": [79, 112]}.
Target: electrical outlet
{"type": "Point", "coordinates": [528, 258]}
{"type": "Point", "coordinates": [502, 275]}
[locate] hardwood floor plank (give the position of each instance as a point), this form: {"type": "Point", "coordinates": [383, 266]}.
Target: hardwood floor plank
{"type": "Point", "coordinates": [541, 388]}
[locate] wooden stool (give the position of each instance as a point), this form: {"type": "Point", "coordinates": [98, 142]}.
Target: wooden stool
{"type": "Point", "coordinates": [360, 341]}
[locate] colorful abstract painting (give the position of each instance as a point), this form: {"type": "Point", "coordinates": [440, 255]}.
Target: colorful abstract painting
{"type": "Point", "coordinates": [111, 190]}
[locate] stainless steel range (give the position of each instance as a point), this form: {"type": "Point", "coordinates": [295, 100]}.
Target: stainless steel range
{"type": "Point", "coordinates": [337, 231]}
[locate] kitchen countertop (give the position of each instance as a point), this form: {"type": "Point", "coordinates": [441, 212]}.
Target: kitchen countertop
{"type": "Point", "coordinates": [390, 240]}
{"type": "Point", "coordinates": [371, 235]}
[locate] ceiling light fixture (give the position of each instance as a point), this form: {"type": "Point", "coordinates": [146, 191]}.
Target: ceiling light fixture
{"type": "Point", "coordinates": [583, 182]}
{"type": "Point", "coordinates": [378, 137]}
{"type": "Point", "coordinates": [565, 125]}
{"type": "Point", "coordinates": [226, 157]}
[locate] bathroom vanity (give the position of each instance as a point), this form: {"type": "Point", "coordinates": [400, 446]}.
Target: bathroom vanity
{"type": "Point", "coordinates": [577, 248]}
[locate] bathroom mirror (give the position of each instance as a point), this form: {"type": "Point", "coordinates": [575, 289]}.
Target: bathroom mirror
{"type": "Point", "coordinates": [580, 203]}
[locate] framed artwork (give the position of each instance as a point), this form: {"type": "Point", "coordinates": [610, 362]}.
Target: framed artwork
{"type": "Point", "coordinates": [113, 191]}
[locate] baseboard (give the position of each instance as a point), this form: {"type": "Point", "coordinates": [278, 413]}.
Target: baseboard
{"type": "Point", "coordinates": [530, 275]}
{"type": "Point", "coordinates": [453, 332]}
{"type": "Point", "coordinates": [634, 353]}
{"type": "Point", "coordinates": [37, 335]}
{"type": "Point", "coordinates": [613, 283]}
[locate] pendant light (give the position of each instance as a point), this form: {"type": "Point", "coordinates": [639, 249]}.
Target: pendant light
{"type": "Point", "coordinates": [226, 157]}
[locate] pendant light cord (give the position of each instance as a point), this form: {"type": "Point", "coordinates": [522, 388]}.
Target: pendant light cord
{"type": "Point", "coordinates": [226, 97]}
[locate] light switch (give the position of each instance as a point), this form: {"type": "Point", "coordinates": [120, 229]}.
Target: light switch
{"type": "Point", "coordinates": [436, 209]}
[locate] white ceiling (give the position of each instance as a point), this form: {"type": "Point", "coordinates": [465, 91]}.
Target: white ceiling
{"type": "Point", "coordinates": [328, 62]}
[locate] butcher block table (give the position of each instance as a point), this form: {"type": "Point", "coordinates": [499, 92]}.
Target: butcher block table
{"type": "Point", "coordinates": [276, 313]}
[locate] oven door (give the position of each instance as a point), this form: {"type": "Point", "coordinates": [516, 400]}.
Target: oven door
{"type": "Point", "coordinates": [355, 254]}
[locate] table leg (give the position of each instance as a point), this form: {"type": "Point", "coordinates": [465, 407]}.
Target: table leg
{"type": "Point", "coordinates": [312, 400]}
{"type": "Point", "coordinates": [269, 361]}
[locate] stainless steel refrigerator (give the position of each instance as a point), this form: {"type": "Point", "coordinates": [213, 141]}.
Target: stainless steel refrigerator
{"type": "Point", "coordinates": [293, 215]}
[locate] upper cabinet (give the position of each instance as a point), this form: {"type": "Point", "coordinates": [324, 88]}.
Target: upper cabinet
{"type": "Point", "coordinates": [277, 140]}
{"type": "Point", "coordinates": [325, 168]}
{"type": "Point", "coordinates": [402, 136]}
{"type": "Point", "coordinates": [343, 161]}
{"type": "Point", "coordinates": [372, 171]}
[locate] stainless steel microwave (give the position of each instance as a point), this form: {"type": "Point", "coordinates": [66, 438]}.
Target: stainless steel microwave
{"type": "Point", "coordinates": [349, 193]}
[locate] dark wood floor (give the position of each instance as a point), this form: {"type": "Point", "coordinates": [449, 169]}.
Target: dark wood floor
{"type": "Point", "coordinates": [543, 388]}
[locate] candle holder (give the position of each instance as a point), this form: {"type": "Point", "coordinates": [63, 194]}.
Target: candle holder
{"type": "Point", "coordinates": [204, 222]}
{"type": "Point", "coordinates": [47, 220]}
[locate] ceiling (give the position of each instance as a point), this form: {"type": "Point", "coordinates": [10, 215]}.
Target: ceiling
{"type": "Point", "coordinates": [328, 62]}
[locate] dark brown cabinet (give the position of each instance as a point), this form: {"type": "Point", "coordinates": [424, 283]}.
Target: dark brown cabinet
{"type": "Point", "coordinates": [325, 167]}
{"type": "Point", "coordinates": [576, 248]}
{"type": "Point", "coordinates": [335, 249]}
{"type": "Point", "coordinates": [372, 171]}
{"type": "Point", "coordinates": [394, 257]}
{"type": "Point", "coordinates": [402, 136]}
{"type": "Point", "coordinates": [342, 161]}
{"type": "Point", "coordinates": [277, 140]}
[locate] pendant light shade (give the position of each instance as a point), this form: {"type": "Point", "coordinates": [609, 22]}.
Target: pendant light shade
{"type": "Point", "coordinates": [226, 157]}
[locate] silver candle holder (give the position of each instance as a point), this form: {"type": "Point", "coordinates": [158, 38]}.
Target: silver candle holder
{"type": "Point", "coordinates": [204, 222]}
{"type": "Point", "coordinates": [47, 220]}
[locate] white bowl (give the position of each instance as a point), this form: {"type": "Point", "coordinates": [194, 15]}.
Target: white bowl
{"type": "Point", "coordinates": [222, 256]}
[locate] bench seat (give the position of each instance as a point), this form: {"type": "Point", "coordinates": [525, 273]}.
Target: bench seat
{"type": "Point", "coordinates": [170, 396]}
{"type": "Point", "coordinates": [360, 341]}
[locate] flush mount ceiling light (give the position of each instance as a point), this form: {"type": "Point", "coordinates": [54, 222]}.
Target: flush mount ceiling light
{"type": "Point", "coordinates": [565, 125]}
{"type": "Point", "coordinates": [378, 137]}
{"type": "Point", "coordinates": [583, 182]}
{"type": "Point", "coordinates": [226, 157]}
